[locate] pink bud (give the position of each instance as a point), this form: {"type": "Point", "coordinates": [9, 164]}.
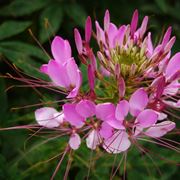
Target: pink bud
{"type": "Point", "coordinates": [122, 87]}
{"type": "Point", "coordinates": [88, 29]}
{"type": "Point", "coordinates": [44, 68]}
{"type": "Point", "coordinates": [159, 85]}
{"type": "Point", "coordinates": [106, 20]}
{"type": "Point", "coordinates": [143, 26]}
{"type": "Point", "coordinates": [91, 77]}
{"type": "Point", "coordinates": [166, 36]}
{"type": "Point", "coordinates": [78, 41]}
{"type": "Point", "coordinates": [93, 60]}
{"type": "Point", "coordinates": [134, 22]}
{"type": "Point", "coordinates": [170, 44]}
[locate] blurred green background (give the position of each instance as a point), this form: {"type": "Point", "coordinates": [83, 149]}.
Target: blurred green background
{"type": "Point", "coordinates": [20, 157]}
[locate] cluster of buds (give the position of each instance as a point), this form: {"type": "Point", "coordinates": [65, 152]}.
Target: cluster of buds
{"type": "Point", "coordinates": [132, 86]}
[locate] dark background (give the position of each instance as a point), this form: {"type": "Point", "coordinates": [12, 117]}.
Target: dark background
{"type": "Point", "coordinates": [23, 158]}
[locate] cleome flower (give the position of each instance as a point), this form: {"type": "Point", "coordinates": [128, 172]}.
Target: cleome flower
{"type": "Point", "coordinates": [63, 69]}
{"type": "Point", "coordinates": [133, 86]}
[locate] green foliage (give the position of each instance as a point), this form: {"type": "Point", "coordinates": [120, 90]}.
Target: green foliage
{"type": "Point", "coordinates": [47, 18]}
{"type": "Point", "coordinates": [11, 28]}
{"type": "Point", "coordinates": [50, 21]}
{"type": "Point", "coordinates": [20, 7]}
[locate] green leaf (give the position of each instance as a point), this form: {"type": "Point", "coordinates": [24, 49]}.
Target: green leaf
{"type": "Point", "coordinates": [23, 62]}
{"type": "Point", "coordinates": [11, 28]}
{"type": "Point", "coordinates": [162, 5]}
{"type": "Point", "coordinates": [77, 13]}
{"type": "Point", "coordinates": [50, 21]}
{"type": "Point", "coordinates": [24, 48]}
{"type": "Point", "coordinates": [21, 7]}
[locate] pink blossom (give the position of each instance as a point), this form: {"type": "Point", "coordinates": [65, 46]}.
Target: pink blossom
{"type": "Point", "coordinates": [63, 70]}
{"type": "Point", "coordinates": [132, 83]}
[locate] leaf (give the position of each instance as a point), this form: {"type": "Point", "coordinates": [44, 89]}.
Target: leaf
{"type": "Point", "coordinates": [21, 7]}
{"type": "Point", "coordinates": [11, 28]}
{"type": "Point", "coordinates": [162, 5]}
{"type": "Point", "coordinates": [25, 48]}
{"type": "Point", "coordinates": [77, 13]}
{"type": "Point", "coordinates": [23, 62]}
{"type": "Point", "coordinates": [50, 21]}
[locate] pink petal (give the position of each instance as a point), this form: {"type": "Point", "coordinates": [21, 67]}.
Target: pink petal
{"type": "Point", "coordinates": [147, 118]}
{"type": "Point", "coordinates": [74, 141]}
{"type": "Point", "coordinates": [104, 71]}
{"type": "Point", "coordinates": [159, 84]}
{"type": "Point", "coordinates": [122, 110]}
{"type": "Point", "coordinates": [134, 22]}
{"type": "Point", "coordinates": [172, 103]}
{"type": "Point", "coordinates": [173, 65]}
{"type": "Point", "coordinates": [112, 32]}
{"type": "Point", "coordinates": [86, 108]}
{"type": "Point", "coordinates": [58, 74]}
{"type": "Point", "coordinates": [93, 140]}
{"type": "Point", "coordinates": [106, 20]}
{"type": "Point", "coordinates": [178, 103]}
{"type": "Point", "coordinates": [117, 143]}
{"type": "Point", "coordinates": [172, 88]}
{"type": "Point", "coordinates": [44, 68]}
{"type": "Point", "coordinates": [88, 29]}
{"type": "Point", "coordinates": [59, 117]}
{"type": "Point", "coordinates": [61, 49]}
{"type": "Point", "coordinates": [75, 91]}
{"type": "Point", "coordinates": [72, 116]}
{"type": "Point", "coordinates": [169, 45]}
{"type": "Point", "coordinates": [119, 38]}
{"type": "Point", "coordinates": [105, 111]}
{"type": "Point", "coordinates": [160, 129]}
{"type": "Point", "coordinates": [138, 101]}
{"type": "Point", "coordinates": [138, 130]}
{"type": "Point", "coordinates": [45, 117]}
{"type": "Point", "coordinates": [149, 45]}
{"type": "Point", "coordinates": [143, 27]}
{"type": "Point", "coordinates": [93, 61]}
{"type": "Point", "coordinates": [78, 41]}
{"type": "Point", "coordinates": [99, 33]}
{"type": "Point", "coordinates": [161, 116]}
{"type": "Point", "coordinates": [166, 36]}
{"type": "Point", "coordinates": [72, 72]}
{"type": "Point", "coordinates": [115, 123]}
{"type": "Point", "coordinates": [106, 130]}
{"type": "Point", "coordinates": [122, 87]}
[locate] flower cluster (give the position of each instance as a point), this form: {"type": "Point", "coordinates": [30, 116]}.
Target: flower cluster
{"type": "Point", "coordinates": [132, 86]}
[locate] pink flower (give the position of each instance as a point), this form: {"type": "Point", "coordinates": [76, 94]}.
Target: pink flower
{"type": "Point", "coordinates": [63, 70]}
{"type": "Point", "coordinates": [132, 85]}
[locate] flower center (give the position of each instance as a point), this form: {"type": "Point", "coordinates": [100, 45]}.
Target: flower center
{"type": "Point", "coordinates": [132, 63]}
